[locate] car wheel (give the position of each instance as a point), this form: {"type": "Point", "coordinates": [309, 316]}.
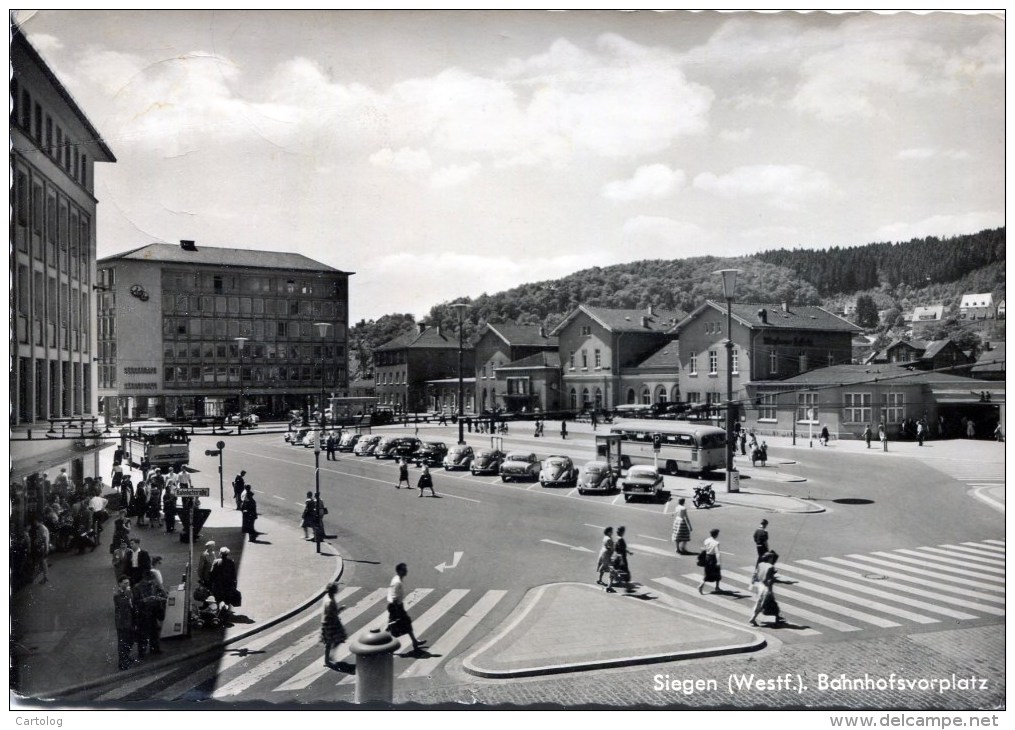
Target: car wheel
{"type": "Point", "coordinates": [627, 497]}
{"type": "Point", "coordinates": [503, 478]}
{"type": "Point", "coordinates": [581, 491]}
{"type": "Point", "coordinates": [542, 483]}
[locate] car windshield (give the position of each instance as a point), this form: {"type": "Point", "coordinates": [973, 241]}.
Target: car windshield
{"type": "Point", "coordinates": [594, 468]}
{"type": "Point", "coordinates": [433, 445]}
{"type": "Point", "coordinates": [556, 461]}
{"type": "Point", "coordinates": [485, 454]}
{"type": "Point", "coordinates": [518, 457]}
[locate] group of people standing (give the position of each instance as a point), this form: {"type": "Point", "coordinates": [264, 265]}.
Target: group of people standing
{"type": "Point", "coordinates": [612, 560]}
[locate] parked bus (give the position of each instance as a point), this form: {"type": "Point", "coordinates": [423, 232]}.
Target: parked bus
{"type": "Point", "coordinates": [159, 442]}
{"type": "Point", "coordinates": [683, 446]}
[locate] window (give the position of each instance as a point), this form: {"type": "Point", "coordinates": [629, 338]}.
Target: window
{"type": "Point", "coordinates": [736, 362]}
{"type": "Point", "coordinates": [571, 359]}
{"type": "Point", "coordinates": [766, 407]}
{"type": "Point", "coordinates": [646, 396]}
{"type": "Point", "coordinates": [694, 363]}
{"type": "Point", "coordinates": [831, 359]}
{"type": "Point", "coordinates": [585, 360]}
{"type": "Point", "coordinates": [22, 199]}
{"type": "Point", "coordinates": [773, 362]}
{"type": "Point", "coordinates": [857, 407]}
{"type": "Point", "coordinates": [807, 407]}
{"type": "Point", "coordinates": [713, 362]}
{"type": "Point", "coordinates": [586, 330]}
{"type": "Point", "coordinates": [894, 405]}
{"type": "Point", "coordinates": [598, 358]}
{"type": "Point", "coordinates": [694, 397]}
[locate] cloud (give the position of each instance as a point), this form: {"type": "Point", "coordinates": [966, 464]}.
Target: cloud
{"type": "Point", "coordinates": [404, 160]}
{"type": "Point", "coordinates": [650, 182]}
{"type": "Point", "coordinates": [941, 226]}
{"type": "Point", "coordinates": [926, 153]}
{"type": "Point", "coordinates": [784, 186]}
{"type": "Point", "coordinates": [454, 175]}
{"type": "Point", "coordinates": [661, 237]}
{"type": "Point", "coordinates": [736, 135]}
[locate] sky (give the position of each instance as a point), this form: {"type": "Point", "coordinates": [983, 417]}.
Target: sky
{"type": "Point", "coordinates": [446, 154]}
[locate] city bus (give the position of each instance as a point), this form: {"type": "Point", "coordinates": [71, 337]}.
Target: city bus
{"type": "Point", "coordinates": [683, 446]}
{"type": "Point", "coordinates": [158, 442]}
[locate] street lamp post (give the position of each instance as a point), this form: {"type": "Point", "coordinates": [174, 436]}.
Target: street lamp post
{"type": "Point", "coordinates": [322, 329]}
{"type": "Point", "coordinates": [241, 341]}
{"type": "Point", "coordinates": [729, 285]}
{"type": "Point", "coordinates": [461, 307]}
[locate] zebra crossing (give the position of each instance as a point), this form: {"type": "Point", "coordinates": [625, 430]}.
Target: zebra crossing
{"type": "Point", "coordinates": [290, 658]}
{"type": "Point", "coordinates": [972, 473]}
{"type": "Point", "coordinates": [935, 584]}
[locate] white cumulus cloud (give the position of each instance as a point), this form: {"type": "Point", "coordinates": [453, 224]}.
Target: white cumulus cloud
{"type": "Point", "coordinates": [404, 160]}
{"type": "Point", "coordinates": [941, 225]}
{"type": "Point", "coordinates": [784, 186]}
{"type": "Point", "coordinates": [649, 182]}
{"type": "Point", "coordinates": [454, 175]}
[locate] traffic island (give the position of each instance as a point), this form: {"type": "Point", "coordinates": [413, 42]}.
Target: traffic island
{"type": "Point", "coordinates": [570, 627]}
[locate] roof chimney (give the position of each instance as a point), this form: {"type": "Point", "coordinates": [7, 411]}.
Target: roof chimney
{"type": "Point", "coordinates": [542, 331]}
{"type": "Point", "coordinates": [763, 316]}
{"type": "Point", "coordinates": [421, 326]}
{"type": "Point", "coordinates": [651, 311]}
{"type": "Point", "coordinates": [785, 306]}
{"type": "Point", "coordinates": [188, 245]}
{"type": "Point", "coordinates": [644, 322]}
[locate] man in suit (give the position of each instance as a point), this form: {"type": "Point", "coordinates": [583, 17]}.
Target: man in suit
{"type": "Point", "coordinates": [123, 605]}
{"type": "Point", "coordinates": [140, 562]}
{"type": "Point", "coordinates": [761, 541]}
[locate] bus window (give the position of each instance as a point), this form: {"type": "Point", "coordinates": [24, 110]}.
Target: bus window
{"type": "Point", "coordinates": [713, 441]}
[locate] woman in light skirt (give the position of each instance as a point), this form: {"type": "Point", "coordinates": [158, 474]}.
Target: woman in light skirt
{"type": "Point", "coordinates": [681, 527]}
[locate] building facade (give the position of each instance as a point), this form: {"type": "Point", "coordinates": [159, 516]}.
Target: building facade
{"type": "Point", "coordinates": [403, 366]}
{"type": "Point", "coordinates": [596, 344]}
{"type": "Point", "coordinates": [54, 150]}
{"type": "Point", "coordinates": [187, 332]}
{"type": "Point", "coordinates": [501, 387]}
{"type": "Point", "coordinates": [977, 306]}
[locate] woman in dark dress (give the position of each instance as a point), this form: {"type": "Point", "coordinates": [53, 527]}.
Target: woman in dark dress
{"type": "Point", "coordinates": [712, 566]}
{"type": "Point", "coordinates": [332, 631]}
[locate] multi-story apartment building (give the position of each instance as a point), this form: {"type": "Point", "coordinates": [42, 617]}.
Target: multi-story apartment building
{"type": "Point", "coordinates": [54, 149]}
{"type": "Point", "coordinates": [186, 331]}
{"type": "Point", "coordinates": [403, 366]}
{"type": "Point", "coordinates": [600, 347]}
{"type": "Point", "coordinates": [505, 383]}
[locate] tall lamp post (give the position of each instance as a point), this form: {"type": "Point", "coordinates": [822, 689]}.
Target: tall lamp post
{"type": "Point", "coordinates": [241, 342]}
{"type": "Point", "coordinates": [461, 307]}
{"type": "Point", "coordinates": [322, 329]}
{"type": "Point", "coordinates": [729, 285]}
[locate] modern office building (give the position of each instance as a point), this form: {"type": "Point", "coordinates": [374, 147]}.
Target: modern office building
{"type": "Point", "coordinates": [198, 331]}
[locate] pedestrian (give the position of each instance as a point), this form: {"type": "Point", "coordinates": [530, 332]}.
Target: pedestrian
{"type": "Point", "coordinates": [156, 570]}
{"type": "Point", "coordinates": [140, 562]}
{"type": "Point", "coordinates": [61, 484]}
{"type": "Point", "coordinates": [595, 421]}
{"type": "Point", "coordinates": [249, 510]}
{"type": "Point", "coordinates": [150, 608]}
{"type": "Point", "coordinates": [97, 506]}
{"type": "Point", "coordinates": [399, 623]}
{"type": "Point", "coordinates": [426, 482]}
{"type": "Point", "coordinates": [766, 602]}
{"type": "Point", "coordinates": [921, 432]}
{"type": "Point", "coordinates": [223, 582]}
{"type": "Point", "coordinates": [605, 555]}
{"type": "Point", "coordinates": [563, 429]}
{"type": "Point", "coordinates": [40, 547]}
{"type": "Point", "coordinates": [239, 484]}
{"type": "Point", "coordinates": [681, 527]}
{"type": "Point", "coordinates": [761, 541]}
{"type": "Point", "coordinates": [154, 509]}
{"type": "Point", "coordinates": [710, 558]}
{"type": "Point", "coordinates": [867, 435]}
{"type": "Point", "coordinates": [882, 436]}
{"type": "Point", "coordinates": [139, 506]}
{"type": "Point", "coordinates": [169, 508]}
{"type": "Point", "coordinates": [403, 474]}
{"type": "Point", "coordinates": [121, 561]}
{"type": "Point", "coordinates": [824, 435]}
{"type": "Point", "coordinates": [620, 570]}
{"type": "Point", "coordinates": [205, 564]}
{"type": "Point", "coordinates": [123, 617]}
{"type": "Point", "coordinates": [319, 511]}
{"type": "Point", "coordinates": [329, 446]}
{"type": "Point", "coordinates": [743, 442]}
{"type": "Point", "coordinates": [970, 429]}
{"type": "Point", "coordinates": [998, 434]}
{"type": "Point", "coordinates": [332, 631]}
{"type": "Point", "coordinates": [309, 519]}
{"type": "Point", "coordinates": [121, 533]}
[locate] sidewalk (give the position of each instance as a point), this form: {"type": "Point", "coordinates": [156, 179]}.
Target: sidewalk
{"type": "Point", "coordinates": [63, 637]}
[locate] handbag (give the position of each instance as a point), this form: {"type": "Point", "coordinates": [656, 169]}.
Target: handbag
{"type": "Point", "coordinates": [237, 598]}
{"type": "Point", "coordinates": [702, 559]}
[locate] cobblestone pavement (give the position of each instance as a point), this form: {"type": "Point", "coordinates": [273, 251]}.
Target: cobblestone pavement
{"type": "Point", "coordinates": [971, 659]}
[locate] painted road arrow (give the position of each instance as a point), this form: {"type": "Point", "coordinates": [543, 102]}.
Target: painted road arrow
{"type": "Point", "coordinates": [454, 563]}
{"type": "Point", "coordinates": [569, 547]}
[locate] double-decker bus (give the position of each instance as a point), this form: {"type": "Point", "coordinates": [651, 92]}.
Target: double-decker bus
{"type": "Point", "coordinates": [683, 446]}
{"type": "Point", "coordinates": [158, 442]}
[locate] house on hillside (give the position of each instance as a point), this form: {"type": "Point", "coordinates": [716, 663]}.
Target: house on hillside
{"type": "Point", "coordinates": [976, 306]}
{"type": "Point", "coordinates": [770, 342]}
{"type": "Point", "coordinates": [1000, 309]}
{"type": "Point", "coordinates": [525, 385]}
{"type": "Point", "coordinates": [922, 355]}
{"type": "Point", "coordinates": [403, 366]}
{"type": "Point", "coordinates": [990, 364]}
{"type": "Point", "coordinates": [601, 349]}
{"type": "Point", "coordinates": [924, 318]}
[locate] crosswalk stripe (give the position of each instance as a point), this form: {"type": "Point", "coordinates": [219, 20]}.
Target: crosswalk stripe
{"type": "Point", "coordinates": [828, 605]}
{"type": "Point", "coordinates": [996, 542]}
{"type": "Point", "coordinates": [937, 584]}
{"type": "Point", "coordinates": [977, 554]}
{"type": "Point", "coordinates": [926, 562]}
{"type": "Point", "coordinates": [794, 610]}
{"type": "Point", "coordinates": [653, 550]}
{"type": "Point", "coordinates": [935, 574]}
{"type": "Point", "coordinates": [454, 636]}
{"type": "Point", "coordinates": [994, 549]}
{"type": "Point", "coordinates": [421, 624]}
{"type": "Point", "coordinates": [913, 591]}
{"type": "Point", "coordinates": [311, 672]}
{"type": "Point", "coordinates": [945, 556]}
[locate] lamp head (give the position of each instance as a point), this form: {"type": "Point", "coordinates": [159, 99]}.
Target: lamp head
{"type": "Point", "coordinates": [322, 328]}
{"type": "Point", "coordinates": [729, 281]}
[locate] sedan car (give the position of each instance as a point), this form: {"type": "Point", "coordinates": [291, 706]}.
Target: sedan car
{"type": "Point", "coordinates": [519, 465]}
{"type": "Point", "coordinates": [558, 471]}
{"type": "Point", "coordinates": [487, 461]}
{"type": "Point", "coordinates": [248, 420]}
{"type": "Point", "coordinates": [431, 453]}
{"type": "Point", "coordinates": [348, 441]}
{"type": "Point", "coordinates": [400, 447]}
{"type": "Point", "coordinates": [642, 481]}
{"type": "Point", "coordinates": [366, 445]}
{"type": "Point", "coordinates": [296, 437]}
{"type": "Point", "coordinates": [459, 457]}
{"type": "Point", "coordinates": [596, 476]}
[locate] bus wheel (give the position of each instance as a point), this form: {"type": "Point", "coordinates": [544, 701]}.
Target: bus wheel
{"type": "Point", "coordinates": [671, 468]}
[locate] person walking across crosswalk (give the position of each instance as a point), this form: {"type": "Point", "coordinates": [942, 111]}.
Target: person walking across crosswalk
{"type": "Point", "coordinates": [399, 623]}
{"type": "Point", "coordinates": [426, 482]}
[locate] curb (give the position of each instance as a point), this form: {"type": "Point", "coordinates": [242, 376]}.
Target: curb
{"type": "Point", "coordinates": [530, 601]}
{"type": "Point", "coordinates": [172, 660]}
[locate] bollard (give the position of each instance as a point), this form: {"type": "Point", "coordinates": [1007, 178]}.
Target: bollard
{"type": "Point", "coordinates": [374, 650]}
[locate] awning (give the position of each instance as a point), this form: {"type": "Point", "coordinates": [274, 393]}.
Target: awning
{"type": "Point", "coordinates": [29, 457]}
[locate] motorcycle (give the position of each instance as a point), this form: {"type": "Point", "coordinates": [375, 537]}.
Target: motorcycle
{"type": "Point", "coordinates": [704, 496]}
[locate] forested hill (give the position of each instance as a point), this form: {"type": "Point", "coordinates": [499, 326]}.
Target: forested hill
{"type": "Point", "coordinates": [917, 262]}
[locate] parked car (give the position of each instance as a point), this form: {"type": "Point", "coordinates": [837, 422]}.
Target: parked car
{"type": "Point", "coordinates": [295, 438]}
{"type": "Point", "coordinates": [366, 445]}
{"type": "Point", "coordinates": [431, 453]}
{"type": "Point", "coordinates": [558, 471]}
{"type": "Point", "coordinates": [459, 456]}
{"type": "Point", "coordinates": [642, 481]}
{"type": "Point", "coordinates": [596, 476]}
{"type": "Point", "coordinates": [519, 465]}
{"type": "Point", "coordinates": [248, 420]}
{"type": "Point", "coordinates": [348, 441]}
{"type": "Point", "coordinates": [486, 461]}
{"type": "Point", "coordinates": [397, 447]}
{"type": "Point", "coordinates": [309, 439]}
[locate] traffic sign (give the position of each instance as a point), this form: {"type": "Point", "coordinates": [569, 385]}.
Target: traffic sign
{"type": "Point", "coordinates": [193, 492]}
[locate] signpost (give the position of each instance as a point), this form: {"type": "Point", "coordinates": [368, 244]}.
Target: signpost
{"type": "Point", "coordinates": [183, 493]}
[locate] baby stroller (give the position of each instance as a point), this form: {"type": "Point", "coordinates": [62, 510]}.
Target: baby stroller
{"type": "Point", "coordinates": [620, 575]}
